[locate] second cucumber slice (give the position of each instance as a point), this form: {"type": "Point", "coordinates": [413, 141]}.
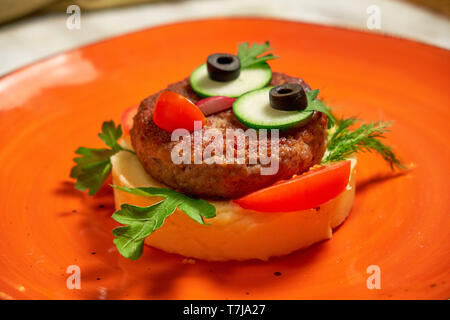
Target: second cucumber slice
{"type": "Point", "coordinates": [253, 110]}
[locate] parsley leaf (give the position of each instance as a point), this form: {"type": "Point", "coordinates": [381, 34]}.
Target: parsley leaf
{"type": "Point", "coordinates": [343, 142]}
{"type": "Point", "coordinates": [315, 104]}
{"type": "Point", "coordinates": [142, 221]}
{"type": "Point", "coordinates": [110, 134]}
{"type": "Point", "coordinates": [94, 166]}
{"type": "Point", "coordinates": [248, 55]}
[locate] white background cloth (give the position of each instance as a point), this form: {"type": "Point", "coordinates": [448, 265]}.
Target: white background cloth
{"type": "Point", "coordinates": [28, 40]}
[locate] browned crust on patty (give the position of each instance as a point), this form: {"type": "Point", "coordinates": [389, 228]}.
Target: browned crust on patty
{"type": "Point", "coordinates": [299, 149]}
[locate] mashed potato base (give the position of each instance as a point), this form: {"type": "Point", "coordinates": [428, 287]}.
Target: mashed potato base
{"type": "Point", "coordinates": [235, 233]}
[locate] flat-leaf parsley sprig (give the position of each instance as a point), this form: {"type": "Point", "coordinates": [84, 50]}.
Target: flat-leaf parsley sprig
{"type": "Point", "coordinates": [142, 221]}
{"type": "Point", "coordinates": [315, 104]}
{"type": "Point", "coordinates": [248, 55]}
{"type": "Point", "coordinates": [94, 166]}
{"type": "Point", "coordinates": [343, 142]}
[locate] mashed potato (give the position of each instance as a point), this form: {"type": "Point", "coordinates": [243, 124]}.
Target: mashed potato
{"type": "Point", "coordinates": [235, 233]}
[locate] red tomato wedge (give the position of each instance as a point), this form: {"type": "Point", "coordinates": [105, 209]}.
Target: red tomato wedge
{"type": "Point", "coordinates": [174, 111]}
{"type": "Point", "coordinates": [306, 191]}
{"type": "Point", "coordinates": [127, 119]}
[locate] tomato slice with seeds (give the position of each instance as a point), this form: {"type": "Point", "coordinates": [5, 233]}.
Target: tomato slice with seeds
{"type": "Point", "coordinates": [306, 191]}
{"type": "Point", "coordinates": [173, 111]}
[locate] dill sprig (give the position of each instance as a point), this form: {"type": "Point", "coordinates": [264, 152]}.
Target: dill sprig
{"type": "Point", "coordinates": [343, 142]}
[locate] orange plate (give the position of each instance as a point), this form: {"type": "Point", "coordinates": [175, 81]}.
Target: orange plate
{"type": "Point", "coordinates": [399, 222]}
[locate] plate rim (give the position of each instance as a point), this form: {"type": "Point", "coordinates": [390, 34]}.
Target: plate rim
{"type": "Point", "coordinates": [215, 19]}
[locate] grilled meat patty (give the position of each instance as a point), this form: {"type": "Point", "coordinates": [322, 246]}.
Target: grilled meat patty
{"type": "Point", "coordinates": [299, 149]}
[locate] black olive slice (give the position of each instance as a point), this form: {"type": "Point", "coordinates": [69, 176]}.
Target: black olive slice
{"type": "Point", "coordinates": [223, 67]}
{"type": "Point", "coordinates": [288, 97]}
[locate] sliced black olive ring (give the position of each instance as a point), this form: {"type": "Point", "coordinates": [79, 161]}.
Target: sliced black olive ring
{"type": "Point", "coordinates": [288, 97]}
{"type": "Point", "coordinates": [223, 67]}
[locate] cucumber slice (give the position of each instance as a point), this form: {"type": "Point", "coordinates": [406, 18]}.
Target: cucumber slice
{"type": "Point", "coordinates": [253, 110]}
{"type": "Point", "coordinates": [251, 78]}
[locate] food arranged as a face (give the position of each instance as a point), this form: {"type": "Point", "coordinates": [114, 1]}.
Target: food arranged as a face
{"type": "Point", "coordinates": [235, 131]}
{"type": "Point", "coordinates": [223, 158]}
